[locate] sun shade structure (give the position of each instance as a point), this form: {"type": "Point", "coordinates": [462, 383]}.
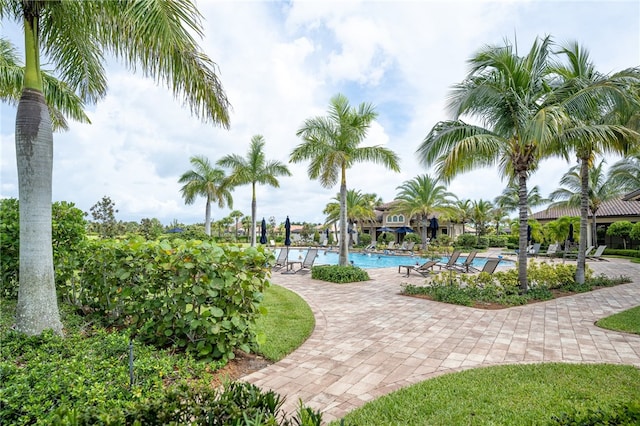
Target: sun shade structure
{"type": "Point", "coordinates": [404, 230]}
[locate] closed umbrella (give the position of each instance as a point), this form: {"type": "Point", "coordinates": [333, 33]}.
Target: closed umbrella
{"type": "Point", "coordinates": [570, 237]}
{"type": "Point", "coordinates": [287, 233]}
{"type": "Point", "coordinates": [263, 232]}
{"type": "Point", "coordinates": [528, 233]}
{"type": "Point", "coordinates": [433, 224]}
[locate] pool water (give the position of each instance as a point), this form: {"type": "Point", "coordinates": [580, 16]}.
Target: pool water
{"type": "Point", "coordinates": [372, 260]}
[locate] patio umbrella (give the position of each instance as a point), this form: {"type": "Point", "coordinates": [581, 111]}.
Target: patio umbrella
{"type": "Point", "coordinates": [263, 232]}
{"type": "Point", "coordinates": [386, 229]}
{"type": "Point", "coordinates": [570, 237]}
{"type": "Point", "coordinates": [404, 230]}
{"type": "Point", "coordinates": [433, 224]}
{"type": "Point", "coordinates": [287, 233]}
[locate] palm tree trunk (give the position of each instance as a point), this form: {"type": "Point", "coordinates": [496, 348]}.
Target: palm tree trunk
{"type": "Point", "coordinates": [253, 214]}
{"type": "Point", "coordinates": [524, 211]}
{"type": "Point", "coordinates": [423, 231]}
{"type": "Point", "coordinates": [594, 230]}
{"type": "Point", "coordinates": [584, 211]}
{"type": "Point", "coordinates": [343, 256]}
{"type": "Point", "coordinates": [37, 308]}
{"type": "Point", "coordinates": [207, 217]}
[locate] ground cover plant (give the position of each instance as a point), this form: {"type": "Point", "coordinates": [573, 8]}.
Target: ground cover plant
{"type": "Point", "coordinates": [501, 289]}
{"type": "Point", "coordinates": [536, 394]}
{"type": "Point", "coordinates": [626, 321]}
{"type": "Point", "coordinates": [339, 274]}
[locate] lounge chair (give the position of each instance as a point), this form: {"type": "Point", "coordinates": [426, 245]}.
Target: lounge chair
{"type": "Point", "coordinates": [491, 265]}
{"type": "Point", "coordinates": [551, 251]}
{"type": "Point", "coordinates": [533, 251]}
{"type": "Point", "coordinates": [598, 254]}
{"type": "Point", "coordinates": [466, 265]}
{"type": "Point", "coordinates": [370, 248]}
{"type": "Point", "coordinates": [425, 269]}
{"type": "Point", "coordinates": [281, 261]}
{"type": "Point", "coordinates": [574, 254]}
{"type": "Point", "coordinates": [408, 247]}
{"type": "Point", "coordinates": [391, 245]}
{"type": "Point", "coordinates": [307, 263]}
{"type": "Point", "coordinates": [451, 262]}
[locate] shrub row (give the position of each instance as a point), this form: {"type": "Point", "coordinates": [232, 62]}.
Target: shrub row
{"type": "Point", "coordinates": [192, 295]}
{"type": "Point", "coordinates": [339, 274]}
{"type": "Point", "coordinates": [621, 252]}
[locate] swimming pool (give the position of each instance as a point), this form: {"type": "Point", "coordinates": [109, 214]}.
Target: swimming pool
{"type": "Point", "coordinates": [372, 260]}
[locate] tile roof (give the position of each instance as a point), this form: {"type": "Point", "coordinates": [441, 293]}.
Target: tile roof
{"type": "Point", "coordinates": [611, 208]}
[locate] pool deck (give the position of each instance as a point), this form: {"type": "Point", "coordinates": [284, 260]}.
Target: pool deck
{"type": "Point", "coordinates": [369, 340]}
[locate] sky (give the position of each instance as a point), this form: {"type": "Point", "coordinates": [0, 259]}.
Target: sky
{"type": "Point", "coordinates": [281, 63]}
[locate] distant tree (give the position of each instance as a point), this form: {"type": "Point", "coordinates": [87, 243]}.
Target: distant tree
{"type": "Point", "coordinates": [421, 197]}
{"type": "Point", "coordinates": [461, 212]}
{"type": "Point", "coordinates": [236, 215]}
{"type": "Point", "coordinates": [332, 144]}
{"type": "Point", "coordinates": [509, 199]}
{"type": "Point", "coordinates": [625, 174]}
{"type": "Point", "coordinates": [254, 169]}
{"type": "Point", "coordinates": [104, 215]}
{"type": "Point", "coordinates": [621, 229]}
{"type": "Point", "coordinates": [209, 182]}
{"type": "Point", "coordinates": [481, 215]}
{"type": "Point", "coordinates": [151, 228]}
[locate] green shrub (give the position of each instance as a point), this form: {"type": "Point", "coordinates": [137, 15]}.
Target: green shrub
{"type": "Point", "coordinates": [621, 414]}
{"type": "Point", "coordinates": [68, 237]}
{"type": "Point", "coordinates": [339, 274]}
{"type": "Point", "coordinates": [364, 239]}
{"type": "Point", "coordinates": [191, 295]}
{"type": "Point", "coordinates": [621, 252]}
{"type": "Point", "coordinates": [466, 241]}
{"type": "Point", "coordinates": [497, 240]}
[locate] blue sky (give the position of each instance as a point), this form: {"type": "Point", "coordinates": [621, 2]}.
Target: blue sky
{"type": "Point", "coordinates": [280, 63]}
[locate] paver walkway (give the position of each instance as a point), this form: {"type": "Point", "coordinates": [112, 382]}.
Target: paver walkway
{"type": "Point", "coordinates": [369, 340]}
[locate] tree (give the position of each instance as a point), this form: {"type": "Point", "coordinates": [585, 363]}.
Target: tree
{"type": "Point", "coordinates": [254, 169]}
{"type": "Point", "coordinates": [332, 144]}
{"type": "Point", "coordinates": [600, 108]}
{"type": "Point", "coordinates": [151, 228]}
{"type": "Point", "coordinates": [421, 197]}
{"type": "Point", "coordinates": [481, 215]}
{"type": "Point", "coordinates": [209, 182]}
{"type": "Point", "coordinates": [236, 215]}
{"type": "Point", "coordinates": [509, 199]}
{"type": "Point", "coordinates": [626, 173]}
{"type": "Point", "coordinates": [104, 214]}
{"type": "Point", "coordinates": [506, 93]}
{"type": "Point", "coordinates": [155, 36]}
{"type": "Point", "coordinates": [600, 189]}
{"type": "Point", "coordinates": [360, 209]}
{"type": "Point", "coordinates": [621, 229]}
{"type": "Point", "coordinates": [462, 212]}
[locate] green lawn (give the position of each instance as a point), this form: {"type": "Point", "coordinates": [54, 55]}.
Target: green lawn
{"type": "Point", "coordinates": [504, 395]}
{"type": "Point", "coordinates": [287, 324]}
{"type": "Point", "coordinates": [627, 321]}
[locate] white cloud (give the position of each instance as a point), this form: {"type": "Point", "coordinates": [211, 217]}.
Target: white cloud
{"type": "Point", "coordinates": [280, 63]}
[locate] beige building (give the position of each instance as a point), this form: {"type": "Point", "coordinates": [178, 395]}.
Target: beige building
{"type": "Point", "coordinates": [624, 208]}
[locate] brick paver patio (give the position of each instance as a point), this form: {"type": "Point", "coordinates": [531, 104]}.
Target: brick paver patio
{"type": "Point", "coordinates": [369, 340]}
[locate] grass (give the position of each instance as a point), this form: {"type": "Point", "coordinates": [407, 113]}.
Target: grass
{"type": "Point", "coordinates": [287, 324]}
{"type": "Point", "coordinates": [627, 321]}
{"type": "Point", "coordinates": [512, 394]}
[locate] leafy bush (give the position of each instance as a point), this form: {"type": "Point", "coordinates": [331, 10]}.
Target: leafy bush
{"type": "Point", "coordinates": [68, 236]}
{"type": "Point", "coordinates": [621, 414]}
{"type": "Point", "coordinates": [339, 274]}
{"type": "Point", "coordinates": [497, 240]}
{"type": "Point", "coordinates": [413, 237]}
{"type": "Point", "coordinates": [466, 240]}
{"type": "Point", "coordinates": [364, 239]}
{"type": "Point", "coordinates": [621, 252]}
{"type": "Point", "coordinates": [191, 295]}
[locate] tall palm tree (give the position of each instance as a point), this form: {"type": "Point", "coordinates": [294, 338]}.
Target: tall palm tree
{"type": "Point", "coordinates": [625, 173]}
{"type": "Point", "coordinates": [206, 181]}
{"type": "Point", "coordinates": [509, 199]}
{"type": "Point", "coordinates": [254, 169]}
{"type": "Point", "coordinates": [600, 107]}
{"type": "Point", "coordinates": [462, 212]}
{"type": "Point", "coordinates": [332, 145]}
{"type": "Point", "coordinates": [505, 92]}
{"type": "Point", "coordinates": [236, 215]}
{"type": "Point", "coordinates": [600, 189]}
{"type": "Point", "coordinates": [157, 37]}
{"type": "Point", "coordinates": [421, 197]}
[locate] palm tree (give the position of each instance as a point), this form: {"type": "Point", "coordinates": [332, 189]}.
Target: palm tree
{"type": "Point", "coordinates": [625, 173]}
{"type": "Point", "coordinates": [236, 215]}
{"type": "Point", "coordinates": [154, 36]}
{"type": "Point", "coordinates": [509, 199]}
{"type": "Point", "coordinates": [253, 170]}
{"type": "Point", "coordinates": [209, 182]}
{"type": "Point", "coordinates": [505, 92]}
{"type": "Point", "coordinates": [462, 212]}
{"type": "Point", "coordinates": [421, 197]}
{"type": "Point", "coordinates": [332, 145]}
{"type": "Point", "coordinates": [61, 99]}
{"type": "Point", "coordinates": [360, 209]}
{"type": "Point", "coordinates": [601, 107]}
{"type": "Point", "coordinates": [481, 215]}
{"type": "Point", "coordinates": [600, 190]}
